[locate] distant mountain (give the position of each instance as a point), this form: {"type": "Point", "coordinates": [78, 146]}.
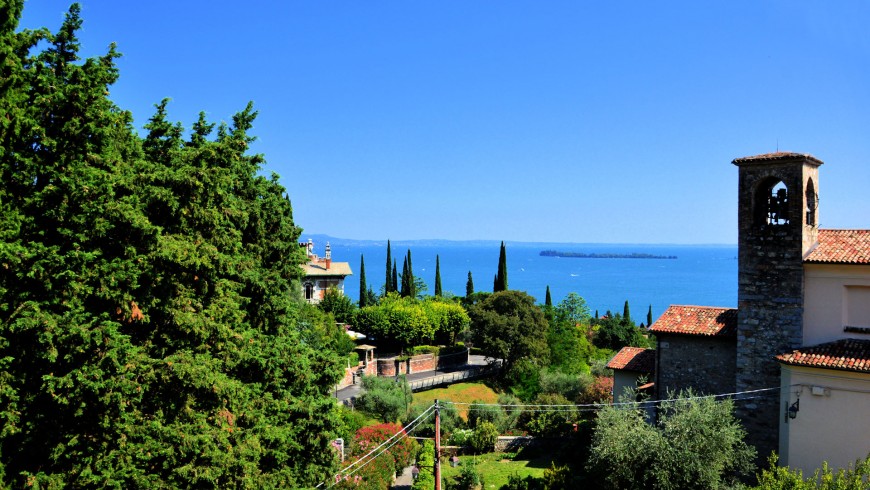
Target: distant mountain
{"type": "Point", "coordinates": [321, 239]}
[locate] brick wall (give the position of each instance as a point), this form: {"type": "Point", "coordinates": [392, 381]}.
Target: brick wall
{"type": "Point", "coordinates": [388, 366]}
{"type": "Point", "coordinates": [422, 363]}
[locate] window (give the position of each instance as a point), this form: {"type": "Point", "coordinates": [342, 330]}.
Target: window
{"type": "Point", "coordinates": [812, 203]}
{"type": "Point", "coordinates": [858, 306]}
{"type": "Point", "coordinates": [771, 203]}
{"type": "Point", "coordinates": [309, 291]}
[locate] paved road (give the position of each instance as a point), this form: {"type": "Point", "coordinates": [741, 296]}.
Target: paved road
{"type": "Point", "coordinates": [474, 361]}
{"type": "Point", "coordinates": [405, 480]}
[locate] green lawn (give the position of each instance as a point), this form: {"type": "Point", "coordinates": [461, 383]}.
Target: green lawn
{"type": "Point", "coordinates": [497, 467]}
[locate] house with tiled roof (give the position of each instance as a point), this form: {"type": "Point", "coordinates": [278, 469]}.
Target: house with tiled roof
{"type": "Point", "coordinates": [696, 348]}
{"type": "Point", "coordinates": [798, 344]}
{"type": "Point", "coordinates": [321, 273]}
{"type": "Point", "coordinates": [632, 367]}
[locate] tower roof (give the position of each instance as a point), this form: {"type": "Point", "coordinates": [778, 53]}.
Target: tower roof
{"type": "Point", "coordinates": [779, 156]}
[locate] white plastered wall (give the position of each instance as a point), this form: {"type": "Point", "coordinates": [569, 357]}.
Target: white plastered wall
{"type": "Point", "coordinates": [831, 423]}
{"type": "Point", "coordinates": [832, 300]}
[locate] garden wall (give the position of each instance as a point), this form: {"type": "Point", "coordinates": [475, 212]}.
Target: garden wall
{"type": "Point", "coordinates": [392, 366]}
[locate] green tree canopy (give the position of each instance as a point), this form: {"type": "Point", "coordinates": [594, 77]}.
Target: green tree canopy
{"type": "Point", "coordinates": [148, 331]}
{"type": "Point", "coordinates": [509, 326]}
{"type": "Point", "coordinates": [696, 444]}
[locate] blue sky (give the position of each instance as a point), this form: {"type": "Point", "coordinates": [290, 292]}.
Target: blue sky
{"type": "Point", "coordinates": [559, 121]}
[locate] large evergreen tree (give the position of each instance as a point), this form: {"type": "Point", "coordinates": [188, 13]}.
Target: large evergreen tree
{"type": "Point", "coordinates": [394, 281]}
{"type": "Point", "coordinates": [409, 289]}
{"type": "Point", "coordinates": [469, 286]}
{"type": "Point", "coordinates": [389, 282]}
{"type": "Point", "coordinates": [363, 288]}
{"type": "Point", "coordinates": [437, 277]}
{"type": "Point", "coordinates": [548, 300]}
{"type": "Point", "coordinates": [626, 313]}
{"type": "Point", "coordinates": [148, 333]}
{"type": "Point", "coordinates": [501, 278]}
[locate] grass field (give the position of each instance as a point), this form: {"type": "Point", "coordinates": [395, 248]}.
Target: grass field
{"type": "Point", "coordinates": [460, 392]}
{"type": "Point", "coordinates": [497, 467]}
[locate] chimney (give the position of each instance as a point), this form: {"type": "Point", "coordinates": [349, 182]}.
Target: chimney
{"type": "Point", "coordinates": [328, 256]}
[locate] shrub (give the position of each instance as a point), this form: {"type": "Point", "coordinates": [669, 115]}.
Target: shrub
{"type": "Point", "coordinates": [426, 464]}
{"type": "Point", "coordinates": [480, 411]}
{"type": "Point", "coordinates": [855, 477]}
{"type": "Point", "coordinates": [385, 398]}
{"type": "Point", "coordinates": [568, 385]}
{"type": "Point", "coordinates": [450, 419]}
{"type": "Point", "coordinates": [484, 437]}
{"type": "Point", "coordinates": [697, 443]}
{"type": "Point", "coordinates": [599, 391]}
{"type": "Point", "coordinates": [378, 472]}
{"type": "Point", "coordinates": [550, 421]}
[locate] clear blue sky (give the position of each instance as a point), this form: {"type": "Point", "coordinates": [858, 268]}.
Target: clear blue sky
{"type": "Point", "coordinates": [560, 121]}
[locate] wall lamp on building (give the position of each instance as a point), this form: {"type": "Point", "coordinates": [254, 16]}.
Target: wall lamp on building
{"type": "Point", "coordinates": [794, 409]}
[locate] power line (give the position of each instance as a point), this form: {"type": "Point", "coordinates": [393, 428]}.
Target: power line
{"type": "Point", "coordinates": [403, 432]}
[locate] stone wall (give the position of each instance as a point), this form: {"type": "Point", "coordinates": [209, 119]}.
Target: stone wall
{"type": "Point", "coordinates": [770, 286]}
{"type": "Point", "coordinates": [705, 364]}
{"type": "Point", "coordinates": [513, 443]}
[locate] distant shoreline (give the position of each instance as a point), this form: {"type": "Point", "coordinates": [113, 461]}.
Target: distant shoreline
{"type": "Point", "coordinates": [580, 255]}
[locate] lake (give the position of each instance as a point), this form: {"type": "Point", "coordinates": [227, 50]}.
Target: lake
{"type": "Point", "coordinates": [700, 275]}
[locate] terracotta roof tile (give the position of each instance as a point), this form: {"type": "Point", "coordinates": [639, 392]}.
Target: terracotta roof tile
{"type": "Point", "coordinates": [319, 269]}
{"type": "Point", "coordinates": [697, 320]}
{"type": "Point", "coordinates": [775, 157]}
{"type": "Point", "coordinates": [634, 359]}
{"type": "Point", "coordinates": [845, 354]}
{"type": "Point", "coordinates": [841, 247]}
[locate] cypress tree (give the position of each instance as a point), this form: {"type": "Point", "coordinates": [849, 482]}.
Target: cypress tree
{"type": "Point", "coordinates": [362, 281]}
{"type": "Point", "coordinates": [626, 315]}
{"type": "Point", "coordinates": [405, 291]}
{"type": "Point", "coordinates": [389, 283]}
{"type": "Point", "coordinates": [495, 284]}
{"type": "Point", "coordinates": [469, 286]}
{"type": "Point", "coordinates": [649, 316]}
{"type": "Point", "coordinates": [548, 301]}
{"type": "Point", "coordinates": [437, 277]}
{"type": "Point", "coordinates": [596, 314]}
{"type": "Point", "coordinates": [394, 281]}
{"type": "Point", "coordinates": [501, 279]}
{"type": "Point", "coordinates": [412, 288]}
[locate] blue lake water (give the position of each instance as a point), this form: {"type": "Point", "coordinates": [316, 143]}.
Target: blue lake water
{"type": "Point", "coordinates": [700, 275]}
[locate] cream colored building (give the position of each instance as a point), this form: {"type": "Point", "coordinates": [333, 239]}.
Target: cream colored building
{"type": "Point", "coordinates": [321, 273]}
{"type": "Point", "coordinates": [825, 393]}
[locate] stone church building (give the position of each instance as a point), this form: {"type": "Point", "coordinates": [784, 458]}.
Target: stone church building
{"type": "Point", "coordinates": [797, 347]}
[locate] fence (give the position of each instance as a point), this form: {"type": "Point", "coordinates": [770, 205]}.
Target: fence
{"type": "Point", "coordinates": [450, 378]}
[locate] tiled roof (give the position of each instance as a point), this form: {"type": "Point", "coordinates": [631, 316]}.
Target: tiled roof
{"type": "Point", "coordinates": [634, 359]}
{"type": "Point", "coordinates": [841, 247]}
{"type": "Point", "coordinates": [777, 156]}
{"type": "Point", "coordinates": [319, 269]}
{"type": "Point", "coordinates": [845, 354]}
{"type": "Point", "coordinates": [697, 320]}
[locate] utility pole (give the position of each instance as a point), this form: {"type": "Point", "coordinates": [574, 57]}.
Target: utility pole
{"type": "Point", "coordinates": [437, 446]}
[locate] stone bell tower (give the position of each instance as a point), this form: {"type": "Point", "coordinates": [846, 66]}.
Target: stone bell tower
{"type": "Point", "coordinates": [778, 224]}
